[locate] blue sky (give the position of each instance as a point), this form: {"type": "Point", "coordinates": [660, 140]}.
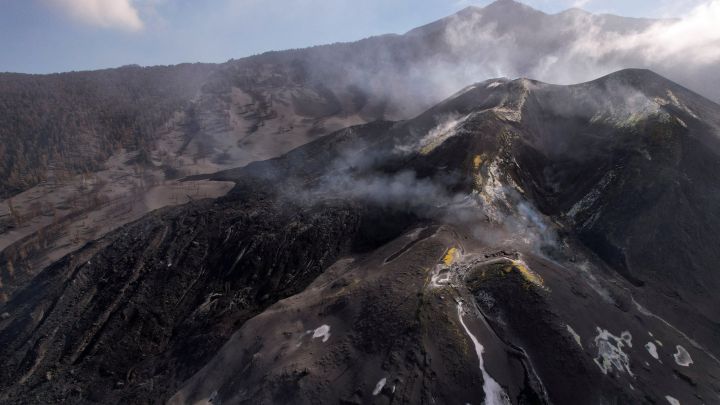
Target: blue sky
{"type": "Point", "coordinates": [42, 36]}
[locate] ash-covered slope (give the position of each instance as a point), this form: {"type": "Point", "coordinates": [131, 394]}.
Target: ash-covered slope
{"type": "Point", "coordinates": [518, 243]}
{"type": "Point", "coordinates": [67, 139]}
{"type": "Point", "coordinates": [262, 106]}
{"type": "Point", "coordinates": [297, 95]}
{"type": "Point", "coordinates": [72, 122]}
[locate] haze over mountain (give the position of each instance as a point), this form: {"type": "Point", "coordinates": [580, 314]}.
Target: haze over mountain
{"type": "Point", "coordinates": [353, 223]}
{"type": "Point", "coordinates": [327, 87]}
{"type": "Point", "coordinates": [110, 144]}
{"type": "Point", "coordinates": [511, 199]}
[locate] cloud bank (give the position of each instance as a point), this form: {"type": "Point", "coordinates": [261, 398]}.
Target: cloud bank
{"type": "Point", "coordinates": [585, 46]}
{"type": "Point", "coordinates": [114, 14]}
{"type": "Point", "coordinates": [695, 38]}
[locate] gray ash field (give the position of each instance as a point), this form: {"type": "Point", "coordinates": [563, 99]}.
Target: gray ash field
{"type": "Point", "coordinates": [518, 243]}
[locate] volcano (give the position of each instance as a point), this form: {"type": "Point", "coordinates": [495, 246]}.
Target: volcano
{"type": "Point", "coordinates": [517, 243]}
{"type": "Point", "coordinates": [84, 153]}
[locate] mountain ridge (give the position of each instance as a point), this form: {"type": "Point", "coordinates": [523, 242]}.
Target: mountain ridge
{"type": "Point", "coordinates": [481, 214]}
{"type": "Point", "coordinates": [311, 66]}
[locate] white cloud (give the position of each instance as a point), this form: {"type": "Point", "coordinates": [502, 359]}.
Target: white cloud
{"type": "Point", "coordinates": [117, 14]}
{"type": "Point", "coordinates": [696, 37]}
{"type": "Point", "coordinates": [582, 48]}
{"type": "Point", "coordinates": [580, 3]}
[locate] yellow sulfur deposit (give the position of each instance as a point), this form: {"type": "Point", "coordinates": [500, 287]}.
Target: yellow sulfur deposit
{"type": "Point", "coordinates": [425, 150]}
{"type": "Point", "coordinates": [529, 275]}
{"type": "Point", "coordinates": [477, 161]}
{"type": "Point", "coordinates": [450, 256]}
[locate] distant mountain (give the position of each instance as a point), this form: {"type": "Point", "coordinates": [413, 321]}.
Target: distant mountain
{"type": "Point", "coordinates": [519, 242]}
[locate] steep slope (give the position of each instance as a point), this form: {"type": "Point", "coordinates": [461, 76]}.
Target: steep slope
{"type": "Point", "coordinates": [617, 192]}
{"type": "Point", "coordinates": [261, 106]}
{"type": "Point", "coordinates": [313, 91]}
{"type": "Point", "coordinates": [517, 243]}
{"type": "Point", "coordinates": [72, 122]}
{"type": "Point", "coordinates": [84, 153]}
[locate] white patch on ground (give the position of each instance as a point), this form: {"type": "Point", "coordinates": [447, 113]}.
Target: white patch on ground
{"type": "Point", "coordinates": [679, 104]}
{"type": "Point", "coordinates": [493, 193]}
{"type": "Point", "coordinates": [446, 129]}
{"type": "Point", "coordinates": [646, 312]}
{"type": "Point", "coordinates": [636, 108]}
{"type": "Point", "coordinates": [322, 332]}
{"type": "Point", "coordinates": [441, 275]}
{"type": "Point", "coordinates": [590, 198]}
{"type": "Point", "coordinates": [465, 90]}
{"type": "Point", "coordinates": [682, 357]}
{"type": "Point", "coordinates": [574, 335]}
{"type": "Point", "coordinates": [379, 386]}
{"type": "Point", "coordinates": [652, 349]}
{"type": "Point", "coordinates": [672, 400]}
{"type": "Point", "coordinates": [494, 393]}
{"type": "Point", "coordinates": [494, 84]}
{"type": "Point", "coordinates": [610, 351]}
